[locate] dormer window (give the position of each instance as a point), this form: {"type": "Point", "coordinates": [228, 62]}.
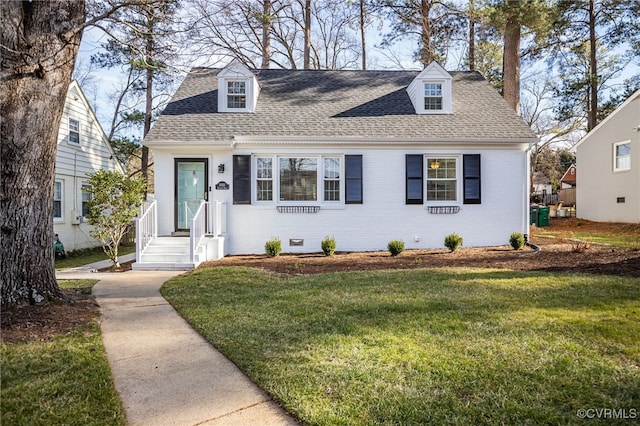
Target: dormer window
{"type": "Point", "coordinates": [238, 88]}
{"type": "Point", "coordinates": [430, 91]}
{"type": "Point", "coordinates": [236, 94]}
{"type": "Point", "coordinates": [433, 96]}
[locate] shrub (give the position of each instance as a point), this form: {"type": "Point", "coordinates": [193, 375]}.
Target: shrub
{"type": "Point", "coordinates": [273, 247]}
{"type": "Point", "coordinates": [328, 246]}
{"type": "Point", "coordinates": [516, 240]}
{"type": "Point", "coordinates": [452, 242]}
{"type": "Point", "coordinates": [395, 247]}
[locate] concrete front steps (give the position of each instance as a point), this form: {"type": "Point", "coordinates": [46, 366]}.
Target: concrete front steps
{"type": "Point", "coordinates": [172, 254]}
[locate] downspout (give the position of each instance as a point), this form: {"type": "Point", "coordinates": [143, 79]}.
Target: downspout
{"type": "Point", "coordinates": [526, 225]}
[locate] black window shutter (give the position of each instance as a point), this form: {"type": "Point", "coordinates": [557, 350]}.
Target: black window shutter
{"type": "Point", "coordinates": [353, 180]}
{"type": "Point", "coordinates": [471, 183]}
{"type": "Point", "coordinates": [415, 179]}
{"type": "Point", "coordinates": [241, 179]}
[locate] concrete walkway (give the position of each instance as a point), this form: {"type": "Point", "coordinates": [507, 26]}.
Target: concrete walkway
{"type": "Point", "coordinates": [164, 371]}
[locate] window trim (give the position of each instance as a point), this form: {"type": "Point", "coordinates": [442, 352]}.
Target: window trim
{"type": "Point", "coordinates": [275, 174]}
{"type": "Point", "coordinates": [441, 97]}
{"type": "Point", "coordinates": [74, 131]}
{"type": "Point", "coordinates": [615, 156]}
{"type": "Point", "coordinates": [61, 200]}
{"type": "Point", "coordinates": [246, 96]}
{"type": "Point", "coordinates": [459, 177]}
{"type": "Point", "coordinates": [84, 185]}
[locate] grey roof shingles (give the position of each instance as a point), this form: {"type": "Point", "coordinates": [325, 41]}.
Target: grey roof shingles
{"type": "Point", "coordinates": [350, 104]}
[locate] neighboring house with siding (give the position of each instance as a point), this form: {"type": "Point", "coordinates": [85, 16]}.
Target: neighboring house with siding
{"type": "Point", "coordinates": [569, 179]}
{"type": "Point", "coordinates": [363, 156]}
{"type": "Point", "coordinates": [83, 148]}
{"type": "Point", "coordinates": [608, 187]}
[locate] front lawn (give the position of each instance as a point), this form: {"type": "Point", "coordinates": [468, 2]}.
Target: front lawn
{"type": "Point", "coordinates": [464, 346]}
{"type": "Point", "coordinates": [83, 257]}
{"type": "Point", "coordinates": [58, 377]}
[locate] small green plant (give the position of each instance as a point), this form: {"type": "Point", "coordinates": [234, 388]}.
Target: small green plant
{"type": "Point", "coordinates": [516, 240]}
{"type": "Point", "coordinates": [418, 261]}
{"type": "Point", "coordinates": [452, 242]}
{"type": "Point", "coordinates": [395, 247]}
{"type": "Point", "coordinates": [328, 246]}
{"type": "Point", "coordinates": [273, 247]}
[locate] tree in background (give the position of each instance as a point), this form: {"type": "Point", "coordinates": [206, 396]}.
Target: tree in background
{"type": "Point", "coordinates": [437, 25]}
{"type": "Point", "coordinates": [510, 17]}
{"type": "Point", "coordinates": [292, 34]}
{"type": "Point", "coordinates": [115, 201]}
{"type": "Point", "coordinates": [142, 42]}
{"type": "Point", "coordinates": [591, 43]}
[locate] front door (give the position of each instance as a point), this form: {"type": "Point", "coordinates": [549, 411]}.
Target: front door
{"type": "Point", "coordinates": [192, 185]}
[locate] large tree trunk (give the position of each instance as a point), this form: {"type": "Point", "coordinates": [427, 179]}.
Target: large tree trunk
{"type": "Point", "coordinates": [363, 34]}
{"type": "Point", "coordinates": [427, 53]}
{"type": "Point", "coordinates": [144, 161]}
{"type": "Point", "coordinates": [472, 37]}
{"type": "Point", "coordinates": [511, 63]}
{"type": "Point", "coordinates": [39, 49]}
{"type": "Point", "coordinates": [266, 34]}
{"type": "Point", "coordinates": [592, 118]}
{"type": "Point", "coordinates": [307, 35]}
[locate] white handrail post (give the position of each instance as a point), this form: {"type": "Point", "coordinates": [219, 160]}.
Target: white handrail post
{"type": "Point", "coordinates": [138, 239]}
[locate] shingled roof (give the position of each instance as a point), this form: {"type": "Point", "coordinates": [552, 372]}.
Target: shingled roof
{"type": "Point", "coordinates": [347, 104]}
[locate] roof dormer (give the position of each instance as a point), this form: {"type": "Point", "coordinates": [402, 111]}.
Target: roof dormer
{"type": "Point", "coordinates": [238, 88]}
{"type": "Point", "coordinates": [430, 91]}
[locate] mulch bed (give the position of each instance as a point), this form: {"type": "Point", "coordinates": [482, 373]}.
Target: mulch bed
{"type": "Point", "coordinates": [555, 256]}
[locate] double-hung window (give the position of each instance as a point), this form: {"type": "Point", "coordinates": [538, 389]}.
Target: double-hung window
{"type": "Point", "coordinates": [87, 196]}
{"type": "Point", "coordinates": [74, 131]}
{"type": "Point", "coordinates": [57, 200]}
{"type": "Point", "coordinates": [442, 179]}
{"type": "Point", "coordinates": [264, 179]}
{"type": "Point", "coordinates": [332, 177]}
{"type": "Point", "coordinates": [621, 156]}
{"type": "Point", "coordinates": [236, 94]}
{"type": "Point", "coordinates": [433, 96]}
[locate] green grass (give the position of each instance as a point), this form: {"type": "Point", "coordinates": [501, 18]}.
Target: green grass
{"type": "Point", "coordinates": [82, 257]}
{"type": "Point", "coordinates": [423, 346]}
{"type": "Point", "coordinates": [61, 381]}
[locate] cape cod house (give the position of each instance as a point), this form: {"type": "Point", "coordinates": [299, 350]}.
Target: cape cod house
{"type": "Point", "coordinates": [244, 155]}
{"type": "Point", "coordinates": [83, 148]}
{"type": "Point", "coordinates": [610, 191]}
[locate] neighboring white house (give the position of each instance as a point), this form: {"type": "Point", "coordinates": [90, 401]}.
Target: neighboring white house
{"type": "Point", "coordinates": [363, 156]}
{"type": "Point", "coordinates": [608, 187]}
{"type": "Point", "coordinates": [83, 148]}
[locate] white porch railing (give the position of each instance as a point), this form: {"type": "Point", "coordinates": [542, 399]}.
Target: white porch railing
{"type": "Point", "coordinates": [218, 220]}
{"type": "Point", "coordinates": [198, 229]}
{"type": "Point", "coordinates": [146, 228]}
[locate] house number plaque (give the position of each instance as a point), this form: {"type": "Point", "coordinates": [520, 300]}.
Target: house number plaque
{"type": "Point", "coordinates": [222, 185]}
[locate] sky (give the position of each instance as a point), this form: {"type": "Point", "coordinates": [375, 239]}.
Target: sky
{"type": "Point", "coordinates": [104, 82]}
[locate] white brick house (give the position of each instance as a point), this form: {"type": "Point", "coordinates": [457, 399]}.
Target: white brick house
{"type": "Point", "coordinates": [363, 156]}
